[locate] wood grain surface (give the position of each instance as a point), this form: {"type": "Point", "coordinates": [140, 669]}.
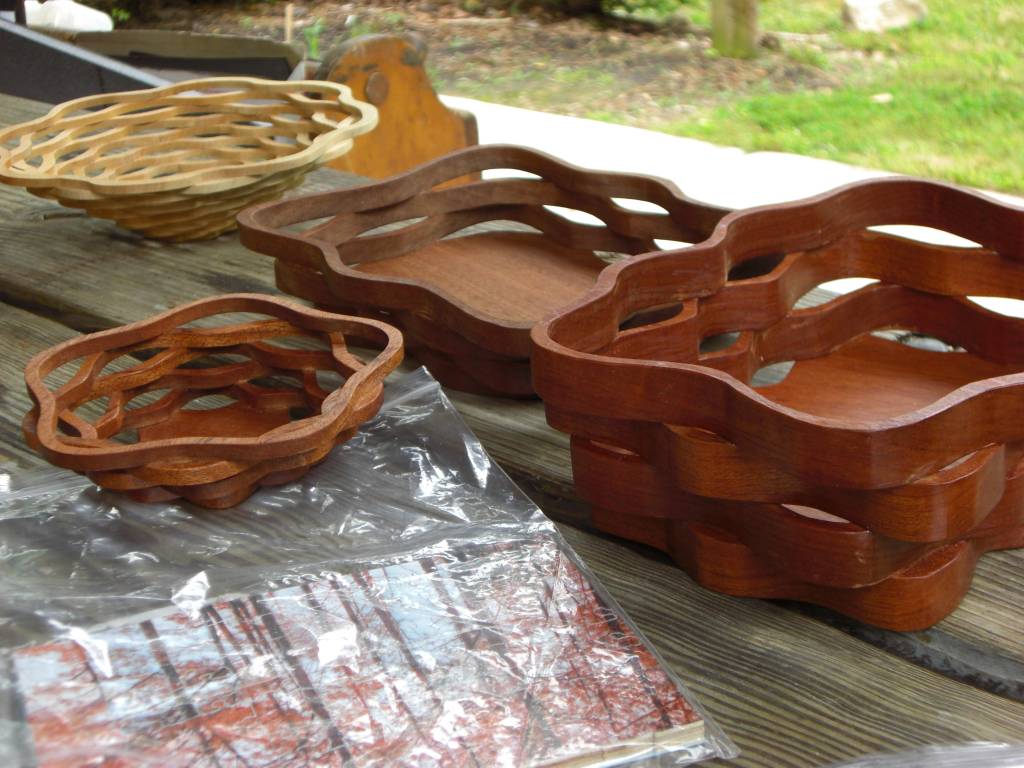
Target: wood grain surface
{"type": "Point", "coordinates": [389, 71]}
{"type": "Point", "coordinates": [793, 686]}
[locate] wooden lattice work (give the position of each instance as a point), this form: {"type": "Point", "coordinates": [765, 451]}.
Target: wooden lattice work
{"type": "Point", "coordinates": [179, 162]}
{"type": "Point", "coordinates": [164, 409]}
{"type": "Point", "coordinates": [467, 270]}
{"type": "Point", "coordinates": [872, 477]}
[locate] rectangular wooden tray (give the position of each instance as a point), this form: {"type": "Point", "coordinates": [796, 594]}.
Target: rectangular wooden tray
{"type": "Point", "coordinates": [467, 270]}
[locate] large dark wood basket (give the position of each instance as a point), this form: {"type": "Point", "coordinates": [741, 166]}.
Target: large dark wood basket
{"type": "Point", "coordinates": [872, 458]}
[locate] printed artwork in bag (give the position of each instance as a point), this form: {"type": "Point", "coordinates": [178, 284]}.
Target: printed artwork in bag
{"type": "Point", "coordinates": [482, 656]}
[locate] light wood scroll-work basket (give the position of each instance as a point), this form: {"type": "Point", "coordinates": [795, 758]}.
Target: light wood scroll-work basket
{"type": "Point", "coordinates": [179, 162]}
{"type": "Point", "coordinates": [875, 474]}
{"type": "Point", "coordinates": [210, 400]}
{"type": "Point", "coordinates": [465, 271]}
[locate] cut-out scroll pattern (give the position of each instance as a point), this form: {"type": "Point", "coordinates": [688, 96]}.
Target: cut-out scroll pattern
{"type": "Point", "coordinates": [179, 162]}
{"type": "Point", "coordinates": [872, 477]}
{"type": "Point", "coordinates": [149, 439]}
{"type": "Point", "coordinates": [466, 270]}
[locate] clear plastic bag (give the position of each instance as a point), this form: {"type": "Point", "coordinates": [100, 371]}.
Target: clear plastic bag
{"type": "Point", "coordinates": [404, 603]}
{"type": "Point", "coordinates": [972, 755]}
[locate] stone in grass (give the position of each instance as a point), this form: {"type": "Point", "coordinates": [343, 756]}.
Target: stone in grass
{"type": "Point", "coordinates": [881, 15]}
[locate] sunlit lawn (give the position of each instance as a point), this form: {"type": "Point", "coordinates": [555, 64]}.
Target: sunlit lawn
{"type": "Point", "coordinates": [945, 98]}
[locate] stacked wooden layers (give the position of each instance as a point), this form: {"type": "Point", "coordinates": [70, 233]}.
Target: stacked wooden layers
{"type": "Point", "coordinates": [873, 476]}
{"type": "Point", "coordinates": [466, 269]}
{"type": "Point", "coordinates": [197, 404]}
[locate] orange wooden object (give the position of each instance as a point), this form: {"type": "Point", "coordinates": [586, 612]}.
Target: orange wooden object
{"type": "Point", "coordinates": [942, 506]}
{"type": "Point", "coordinates": [145, 435]}
{"type": "Point", "coordinates": [411, 250]}
{"type": "Point", "coordinates": [914, 598]}
{"type": "Point", "coordinates": [415, 126]}
{"type": "Point", "coordinates": [875, 474]}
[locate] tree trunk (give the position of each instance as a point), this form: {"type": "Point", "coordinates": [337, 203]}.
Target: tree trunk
{"type": "Point", "coordinates": [734, 28]}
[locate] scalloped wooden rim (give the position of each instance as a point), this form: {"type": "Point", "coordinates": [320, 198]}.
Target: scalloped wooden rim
{"type": "Point", "coordinates": [906, 513]}
{"type": "Point", "coordinates": [259, 231]}
{"type": "Point", "coordinates": [891, 451]}
{"type": "Point", "coordinates": [861, 556]}
{"type": "Point", "coordinates": [294, 436]}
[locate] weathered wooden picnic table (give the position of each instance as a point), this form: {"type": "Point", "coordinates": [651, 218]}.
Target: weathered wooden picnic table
{"type": "Point", "coordinates": [793, 686]}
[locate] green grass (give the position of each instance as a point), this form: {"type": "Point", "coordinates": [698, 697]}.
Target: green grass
{"type": "Point", "coordinates": [956, 82]}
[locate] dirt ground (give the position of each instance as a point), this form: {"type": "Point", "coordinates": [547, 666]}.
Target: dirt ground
{"type": "Point", "coordinates": [620, 71]}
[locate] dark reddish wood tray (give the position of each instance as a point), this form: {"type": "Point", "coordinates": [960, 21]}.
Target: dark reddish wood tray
{"type": "Point", "coordinates": [450, 357]}
{"type": "Point", "coordinates": [913, 599]}
{"type": "Point", "coordinates": [906, 451]}
{"type": "Point", "coordinates": [467, 270]}
{"type": "Point", "coordinates": [721, 549]}
{"type": "Point", "coordinates": [122, 411]}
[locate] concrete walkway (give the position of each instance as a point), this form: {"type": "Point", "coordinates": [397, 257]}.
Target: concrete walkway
{"type": "Point", "coordinates": [721, 175]}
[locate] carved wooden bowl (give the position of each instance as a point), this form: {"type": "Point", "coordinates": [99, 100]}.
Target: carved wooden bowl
{"type": "Point", "coordinates": [179, 162]}
{"type": "Point", "coordinates": [867, 460]}
{"type": "Point", "coordinates": [466, 270]}
{"type": "Point", "coordinates": [201, 403]}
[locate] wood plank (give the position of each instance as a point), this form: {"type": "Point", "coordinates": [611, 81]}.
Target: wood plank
{"type": "Point", "coordinates": [89, 275]}
{"type": "Point", "coordinates": [23, 335]}
{"type": "Point", "coordinates": [18, 110]}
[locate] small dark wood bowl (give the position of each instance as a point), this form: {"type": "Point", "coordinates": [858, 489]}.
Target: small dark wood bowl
{"type": "Point", "coordinates": [132, 429]}
{"type": "Point", "coordinates": [476, 264]}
